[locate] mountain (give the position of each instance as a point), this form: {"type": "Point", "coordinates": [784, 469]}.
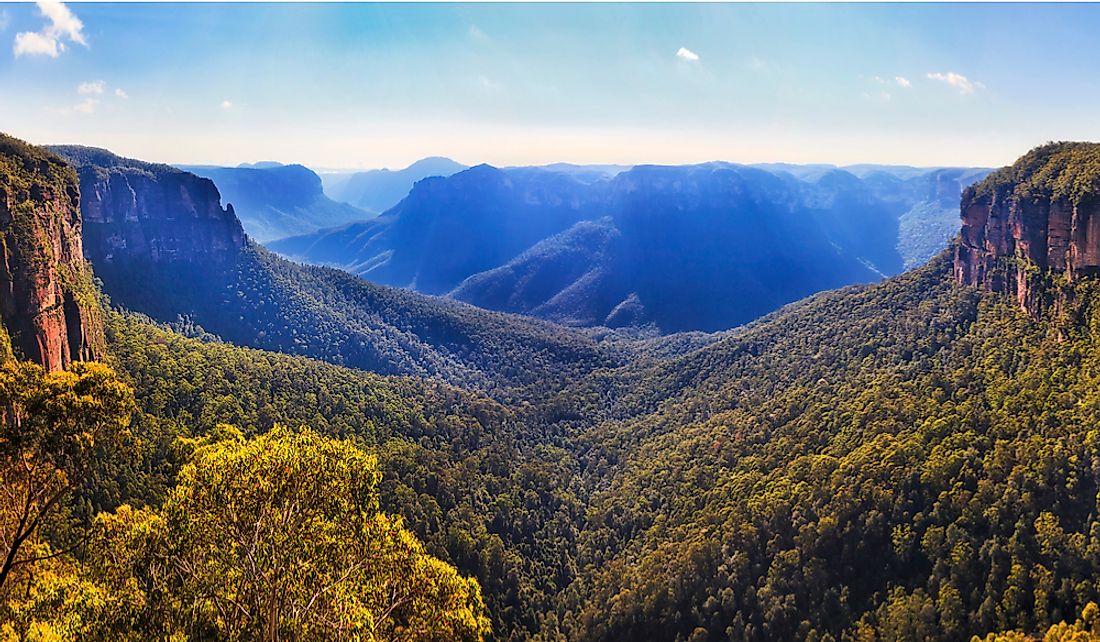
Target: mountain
{"type": "Point", "coordinates": [450, 228]}
{"type": "Point", "coordinates": [583, 173]}
{"type": "Point", "coordinates": [378, 190]}
{"type": "Point", "coordinates": [940, 423]}
{"type": "Point", "coordinates": [48, 304]}
{"type": "Point", "coordinates": [171, 251]}
{"type": "Point", "coordinates": [702, 247]}
{"type": "Point", "coordinates": [566, 278]}
{"type": "Point", "coordinates": [145, 220]}
{"type": "Point", "coordinates": [1032, 223]}
{"type": "Point", "coordinates": [274, 201]}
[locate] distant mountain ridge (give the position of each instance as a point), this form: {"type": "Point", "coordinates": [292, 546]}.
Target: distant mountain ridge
{"type": "Point", "coordinates": [378, 190]}
{"type": "Point", "coordinates": [699, 247]}
{"type": "Point", "coordinates": [274, 200]}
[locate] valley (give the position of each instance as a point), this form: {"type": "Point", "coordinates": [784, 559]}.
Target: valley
{"type": "Point", "coordinates": [612, 484]}
{"type": "Point", "coordinates": [549, 322]}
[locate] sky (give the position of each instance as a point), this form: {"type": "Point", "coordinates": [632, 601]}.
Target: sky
{"type": "Point", "coordinates": [381, 85]}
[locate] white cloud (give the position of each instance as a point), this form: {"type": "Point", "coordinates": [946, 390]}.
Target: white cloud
{"type": "Point", "coordinates": [86, 106]}
{"type": "Point", "coordinates": [687, 54]}
{"type": "Point", "coordinates": [5, 20]}
{"type": "Point", "coordinates": [32, 43]}
{"type": "Point", "coordinates": [121, 94]}
{"type": "Point", "coordinates": [757, 64]}
{"type": "Point", "coordinates": [900, 81]}
{"type": "Point", "coordinates": [227, 105]}
{"type": "Point", "coordinates": [50, 40]}
{"type": "Point", "coordinates": [63, 22]}
{"type": "Point", "coordinates": [958, 81]}
{"type": "Point", "coordinates": [91, 87]}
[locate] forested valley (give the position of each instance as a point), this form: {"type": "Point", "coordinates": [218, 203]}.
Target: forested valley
{"type": "Point", "coordinates": [210, 442]}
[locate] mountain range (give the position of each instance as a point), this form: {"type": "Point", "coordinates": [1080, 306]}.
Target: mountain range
{"type": "Point", "coordinates": [910, 459]}
{"type": "Point", "coordinates": [703, 247]}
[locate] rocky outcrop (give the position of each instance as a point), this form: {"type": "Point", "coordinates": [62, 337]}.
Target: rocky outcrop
{"type": "Point", "coordinates": [1033, 224]}
{"type": "Point", "coordinates": [138, 213]}
{"type": "Point", "coordinates": [47, 300]}
{"type": "Point", "coordinates": [275, 202]}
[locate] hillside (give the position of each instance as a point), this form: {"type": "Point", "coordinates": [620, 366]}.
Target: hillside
{"type": "Point", "coordinates": [274, 201]}
{"type": "Point", "coordinates": [702, 247]}
{"type": "Point", "coordinates": [123, 520]}
{"type": "Point", "coordinates": [730, 492]}
{"type": "Point", "coordinates": [935, 428]}
{"type": "Point", "coordinates": [440, 448]}
{"type": "Point", "coordinates": [191, 260]}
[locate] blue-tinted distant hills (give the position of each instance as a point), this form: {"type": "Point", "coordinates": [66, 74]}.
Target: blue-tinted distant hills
{"type": "Point", "coordinates": [378, 190]}
{"type": "Point", "coordinates": [700, 247]}
{"type": "Point", "coordinates": [275, 201]}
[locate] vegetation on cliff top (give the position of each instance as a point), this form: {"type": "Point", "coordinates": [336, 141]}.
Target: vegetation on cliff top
{"type": "Point", "coordinates": [1055, 171]}
{"type": "Point", "coordinates": [24, 166]}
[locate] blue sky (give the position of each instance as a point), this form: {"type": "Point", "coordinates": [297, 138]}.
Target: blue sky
{"type": "Point", "coordinates": [382, 85]}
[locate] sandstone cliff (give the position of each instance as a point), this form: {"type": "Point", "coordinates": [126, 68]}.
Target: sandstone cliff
{"type": "Point", "coordinates": [137, 213]}
{"type": "Point", "coordinates": [1035, 222]}
{"type": "Point", "coordinates": [47, 301]}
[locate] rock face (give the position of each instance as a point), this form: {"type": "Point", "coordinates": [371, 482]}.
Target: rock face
{"type": "Point", "coordinates": [280, 201]}
{"type": "Point", "coordinates": [1035, 222]}
{"type": "Point", "coordinates": [138, 213]}
{"type": "Point", "coordinates": [47, 300]}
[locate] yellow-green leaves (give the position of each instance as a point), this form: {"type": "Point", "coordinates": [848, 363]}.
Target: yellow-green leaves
{"type": "Point", "coordinates": [280, 537]}
{"type": "Point", "coordinates": [53, 429]}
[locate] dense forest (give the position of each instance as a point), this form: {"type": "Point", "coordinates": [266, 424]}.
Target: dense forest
{"type": "Point", "coordinates": [912, 460]}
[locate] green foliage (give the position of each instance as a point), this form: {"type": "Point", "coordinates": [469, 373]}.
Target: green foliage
{"type": "Point", "coordinates": [25, 168]}
{"type": "Point", "coordinates": [905, 461]}
{"type": "Point", "coordinates": [470, 477]}
{"type": "Point", "coordinates": [1085, 629]}
{"type": "Point", "coordinates": [54, 429]}
{"type": "Point", "coordinates": [911, 460]}
{"type": "Point", "coordinates": [280, 537]}
{"type": "Point", "coordinates": [1055, 171]}
{"type": "Point", "coordinates": [267, 302]}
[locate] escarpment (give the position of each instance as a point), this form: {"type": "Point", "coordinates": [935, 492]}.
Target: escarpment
{"type": "Point", "coordinates": [137, 212]}
{"type": "Point", "coordinates": [1033, 224]}
{"type": "Point", "coordinates": [150, 228]}
{"type": "Point", "coordinates": [47, 300]}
